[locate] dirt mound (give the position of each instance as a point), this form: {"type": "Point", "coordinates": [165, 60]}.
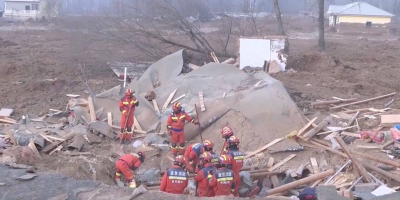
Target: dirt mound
{"type": "Point", "coordinates": [6, 43]}
{"type": "Point", "coordinates": [314, 62]}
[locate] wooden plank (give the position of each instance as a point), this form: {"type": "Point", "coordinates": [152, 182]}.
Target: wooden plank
{"type": "Point", "coordinates": [364, 101]}
{"type": "Point", "coordinates": [368, 147]}
{"type": "Point", "coordinates": [356, 163]}
{"type": "Point", "coordinates": [282, 162]}
{"type": "Point", "coordinates": [178, 98]}
{"type": "Point", "coordinates": [320, 103]}
{"type": "Point", "coordinates": [350, 127]}
{"type": "Point", "coordinates": [73, 95]}
{"type": "Point", "coordinates": [34, 149]}
{"type": "Point", "coordinates": [389, 120]}
{"type": "Point", "coordinates": [55, 138]}
{"type": "Point", "coordinates": [306, 126]}
{"type": "Point", "coordinates": [136, 124]}
{"type": "Point", "coordinates": [109, 119]}
{"type": "Point", "coordinates": [201, 99]}
{"type": "Point", "coordinates": [156, 106]}
{"type": "Point", "coordinates": [275, 181]}
{"type": "Point", "coordinates": [169, 100]}
{"type": "Point", "coordinates": [92, 111]}
{"type": "Point", "coordinates": [270, 162]}
{"type": "Point", "coordinates": [223, 95]}
{"type": "Point", "coordinates": [7, 121]}
{"type": "Point", "coordinates": [10, 135]}
{"type": "Point", "coordinates": [356, 135]}
{"type": "Point", "coordinates": [263, 148]}
{"type": "Point", "coordinates": [314, 165]}
{"type": "Point", "coordinates": [46, 138]}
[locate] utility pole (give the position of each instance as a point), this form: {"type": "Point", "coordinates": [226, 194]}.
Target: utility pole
{"type": "Point", "coordinates": [321, 25]}
{"type": "Point", "coordinates": [279, 18]}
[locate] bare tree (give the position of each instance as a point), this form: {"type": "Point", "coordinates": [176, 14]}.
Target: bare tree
{"type": "Point", "coordinates": [279, 18]}
{"type": "Point", "coordinates": [163, 29]}
{"type": "Point", "coordinates": [321, 25]}
{"type": "Point", "coordinates": [50, 8]}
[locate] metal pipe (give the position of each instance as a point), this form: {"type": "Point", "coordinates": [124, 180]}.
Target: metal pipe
{"type": "Point", "coordinates": [355, 183]}
{"type": "Point", "coordinates": [125, 71]}
{"type": "Point", "coordinates": [348, 162]}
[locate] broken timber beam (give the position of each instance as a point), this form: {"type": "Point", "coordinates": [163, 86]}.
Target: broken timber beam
{"type": "Point", "coordinates": [201, 99]}
{"type": "Point", "coordinates": [109, 119]}
{"type": "Point", "coordinates": [282, 162]}
{"type": "Point", "coordinates": [169, 100]}
{"type": "Point", "coordinates": [356, 164]}
{"type": "Point", "coordinates": [364, 101]}
{"type": "Point", "coordinates": [306, 126]}
{"type": "Point", "coordinates": [303, 181]}
{"type": "Point", "coordinates": [92, 111]}
{"type": "Point", "coordinates": [178, 98]}
{"type": "Point", "coordinates": [320, 103]}
{"type": "Point", "coordinates": [10, 135]}
{"type": "Point", "coordinates": [136, 124]}
{"type": "Point", "coordinates": [307, 136]}
{"type": "Point", "coordinates": [156, 106]}
{"type": "Point", "coordinates": [377, 159]}
{"type": "Point", "coordinates": [263, 148]}
{"type": "Point", "coordinates": [261, 174]}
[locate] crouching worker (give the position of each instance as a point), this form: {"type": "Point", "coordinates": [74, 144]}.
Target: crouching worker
{"type": "Point", "coordinates": [204, 176]}
{"type": "Point", "coordinates": [223, 179]}
{"type": "Point", "coordinates": [126, 164]}
{"type": "Point", "coordinates": [175, 179]}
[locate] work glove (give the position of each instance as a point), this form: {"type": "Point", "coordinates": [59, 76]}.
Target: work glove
{"type": "Point", "coordinates": [196, 122]}
{"type": "Point", "coordinates": [169, 133]}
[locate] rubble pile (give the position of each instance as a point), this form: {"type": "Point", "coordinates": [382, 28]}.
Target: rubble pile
{"type": "Point", "coordinates": [354, 151]}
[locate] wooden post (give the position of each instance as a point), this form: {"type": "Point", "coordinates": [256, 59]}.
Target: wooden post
{"type": "Point", "coordinates": [109, 119]}
{"type": "Point", "coordinates": [320, 103]}
{"type": "Point", "coordinates": [303, 181]}
{"type": "Point", "coordinates": [156, 106]}
{"type": "Point", "coordinates": [364, 101]}
{"type": "Point", "coordinates": [356, 164]}
{"type": "Point", "coordinates": [306, 126]}
{"type": "Point", "coordinates": [169, 100]}
{"type": "Point", "coordinates": [92, 111]}
{"type": "Point", "coordinates": [10, 135]}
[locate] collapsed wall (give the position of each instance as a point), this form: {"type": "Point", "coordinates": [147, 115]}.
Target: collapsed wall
{"type": "Point", "coordinates": [258, 115]}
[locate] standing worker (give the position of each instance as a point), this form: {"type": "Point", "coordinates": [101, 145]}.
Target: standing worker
{"type": "Point", "coordinates": [175, 179]}
{"type": "Point", "coordinates": [126, 164]}
{"type": "Point", "coordinates": [175, 124]}
{"type": "Point", "coordinates": [192, 156]}
{"type": "Point", "coordinates": [237, 158]}
{"type": "Point", "coordinates": [223, 179]}
{"type": "Point", "coordinates": [204, 176]}
{"type": "Point", "coordinates": [208, 146]}
{"type": "Point", "coordinates": [127, 107]}
{"type": "Point", "coordinates": [226, 133]}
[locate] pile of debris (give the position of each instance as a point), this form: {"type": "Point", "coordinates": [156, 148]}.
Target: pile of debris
{"type": "Point", "coordinates": [283, 148]}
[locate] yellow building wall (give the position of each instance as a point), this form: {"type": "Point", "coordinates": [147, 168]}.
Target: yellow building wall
{"type": "Point", "coordinates": [364, 19]}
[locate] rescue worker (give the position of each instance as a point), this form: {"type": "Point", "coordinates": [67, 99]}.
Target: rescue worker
{"type": "Point", "coordinates": [208, 146]}
{"type": "Point", "coordinates": [226, 133]}
{"type": "Point", "coordinates": [175, 124]}
{"type": "Point", "coordinates": [223, 178]}
{"type": "Point", "coordinates": [237, 158]}
{"type": "Point", "coordinates": [175, 179]}
{"type": "Point", "coordinates": [192, 156]}
{"type": "Point", "coordinates": [126, 164]}
{"type": "Point", "coordinates": [127, 107]}
{"type": "Point", "coordinates": [204, 176]}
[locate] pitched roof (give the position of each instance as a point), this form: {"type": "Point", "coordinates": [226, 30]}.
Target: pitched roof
{"type": "Point", "coordinates": [358, 8]}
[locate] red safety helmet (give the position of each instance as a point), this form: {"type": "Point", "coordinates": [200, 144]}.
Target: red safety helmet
{"type": "Point", "coordinates": [142, 156]}
{"type": "Point", "coordinates": [180, 161]}
{"type": "Point", "coordinates": [206, 157]}
{"type": "Point", "coordinates": [226, 132]}
{"type": "Point", "coordinates": [224, 160]}
{"type": "Point", "coordinates": [177, 107]}
{"type": "Point", "coordinates": [233, 141]}
{"type": "Point", "coordinates": [129, 92]}
{"type": "Point", "coordinates": [208, 145]}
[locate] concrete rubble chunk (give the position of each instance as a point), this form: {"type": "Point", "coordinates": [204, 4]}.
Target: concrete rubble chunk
{"type": "Point", "coordinates": [103, 128]}
{"type": "Point", "coordinates": [26, 177]}
{"type": "Point", "coordinates": [77, 143]}
{"type": "Point", "coordinates": [59, 197]}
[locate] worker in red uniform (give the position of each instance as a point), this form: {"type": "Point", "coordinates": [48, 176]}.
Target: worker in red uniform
{"type": "Point", "coordinates": [175, 124]}
{"type": "Point", "coordinates": [208, 146]}
{"type": "Point", "coordinates": [127, 107]}
{"type": "Point", "coordinates": [126, 164]}
{"type": "Point", "coordinates": [192, 156]}
{"type": "Point", "coordinates": [204, 176]}
{"type": "Point", "coordinates": [223, 179]}
{"type": "Point", "coordinates": [226, 133]}
{"type": "Point", "coordinates": [237, 158]}
{"type": "Point", "coordinates": [175, 179]}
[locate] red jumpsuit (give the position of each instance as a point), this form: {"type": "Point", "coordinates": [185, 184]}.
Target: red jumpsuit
{"type": "Point", "coordinates": [174, 181]}
{"type": "Point", "coordinates": [193, 153]}
{"type": "Point", "coordinates": [237, 164]}
{"type": "Point", "coordinates": [225, 148]}
{"type": "Point", "coordinates": [202, 179]}
{"type": "Point", "coordinates": [222, 182]}
{"type": "Point", "coordinates": [176, 123]}
{"type": "Point", "coordinates": [126, 163]}
{"type": "Point", "coordinates": [127, 122]}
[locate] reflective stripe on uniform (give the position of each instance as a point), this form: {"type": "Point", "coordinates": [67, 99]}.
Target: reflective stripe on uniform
{"type": "Point", "coordinates": [209, 176]}
{"type": "Point", "coordinates": [173, 147]}
{"type": "Point", "coordinates": [174, 118]}
{"type": "Point", "coordinates": [125, 103]}
{"type": "Point", "coordinates": [181, 147]}
{"type": "Point", "coordinates": [192, 121]}
{"type": "Point", "coordinates": [177, 178]}
{"type": "Point", "coordinates": [182, 117]}
{"type": "Point", "coordinates": [124, 111]}
{"type": "Point", "coordinates": [169, 126]}
{"type": "Point", "coordinates": [225, 179]}
{"type": "Point", "coordinates": [239, 158]}
{"type": "Point", "coordinates": [118, 174]}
